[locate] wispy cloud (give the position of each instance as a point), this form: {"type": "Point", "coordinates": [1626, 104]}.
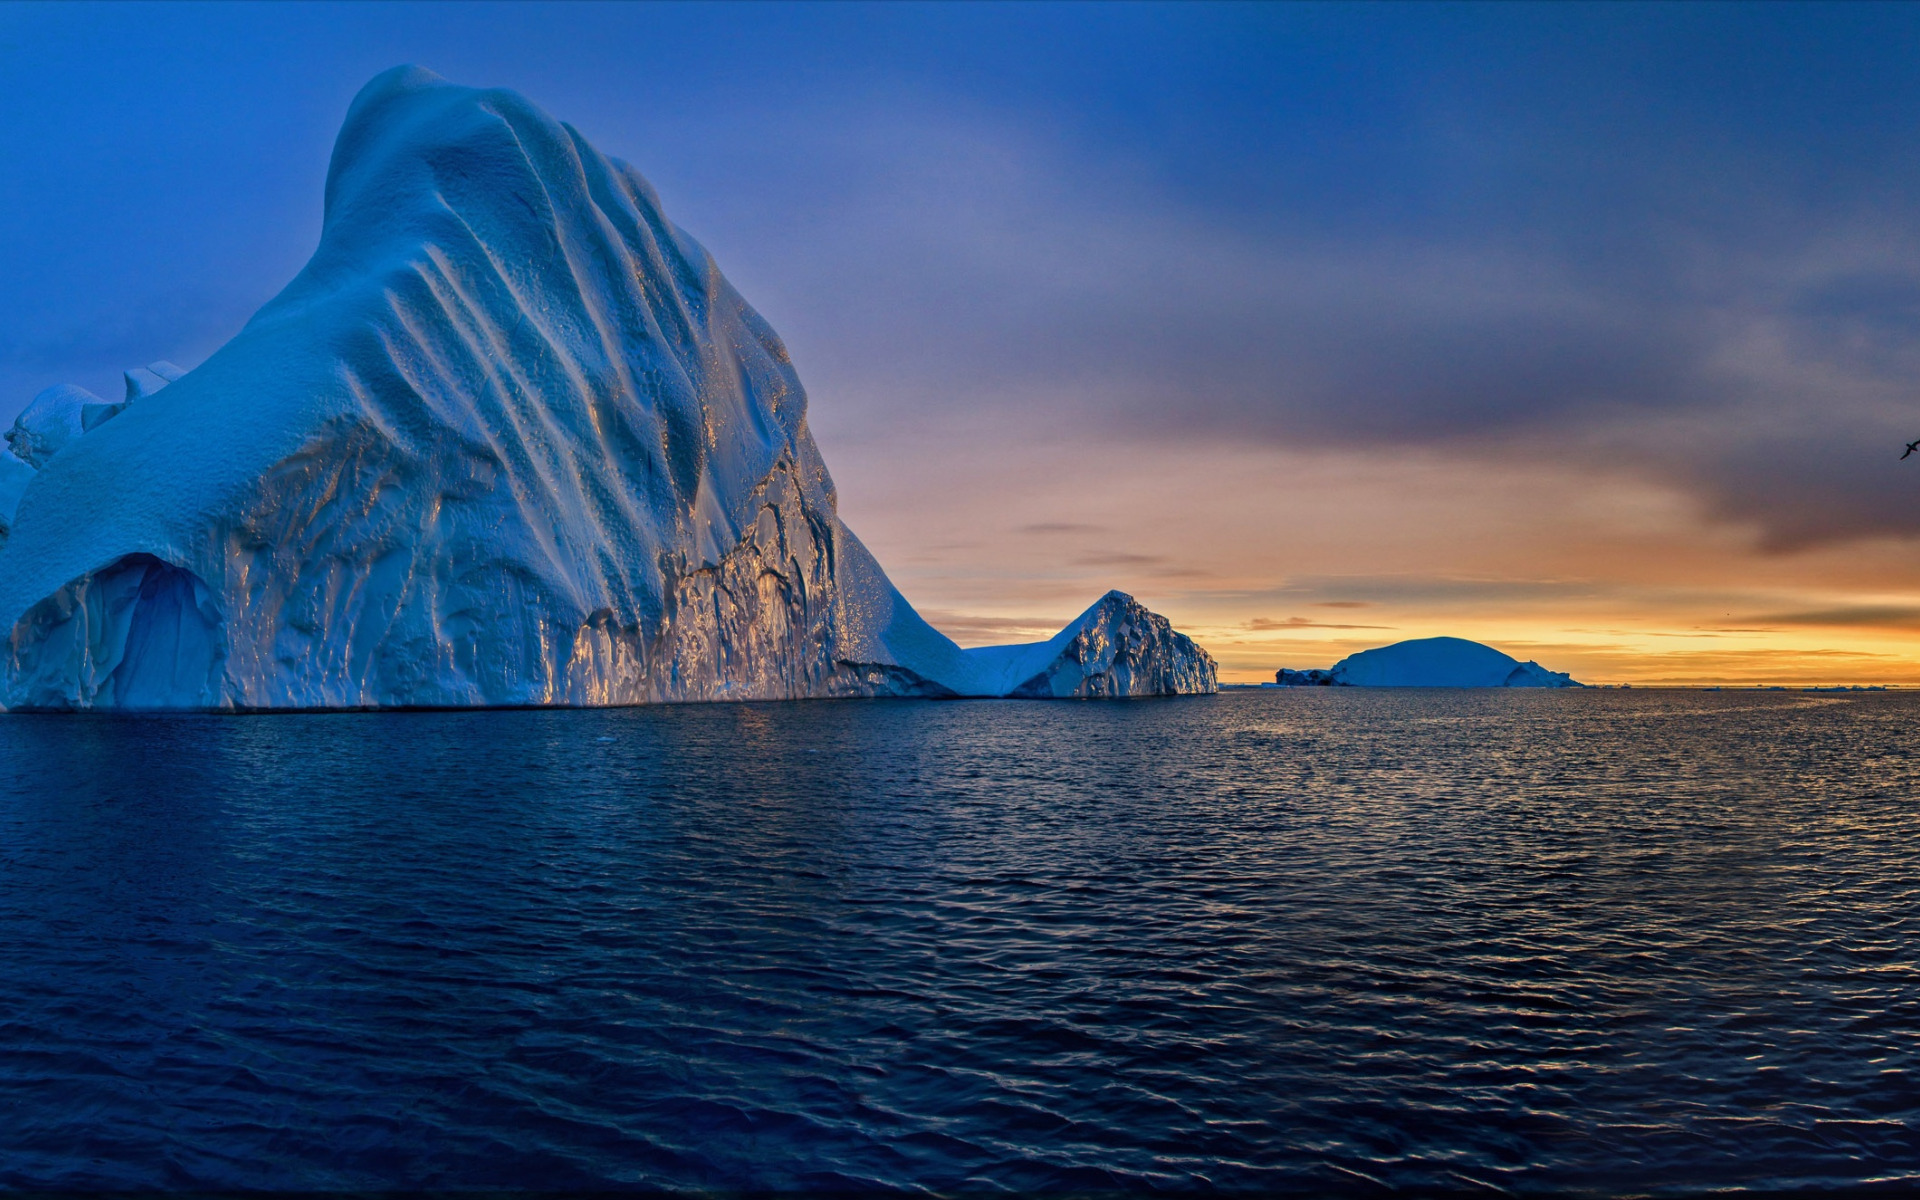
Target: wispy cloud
{"type": "Point", "coordinates": [1051, 528]}
{"type": "Point", "coordinates": [972, 629]}
{"type": "Point", "coordinates": [1889, 616]}
{"type": "Point", "coordinates": [1265, 624]}
{"type": "Point", "coordinates": [1119, 559]}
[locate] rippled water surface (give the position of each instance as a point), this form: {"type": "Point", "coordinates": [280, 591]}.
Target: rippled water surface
{"type": "Point", "coordinates": [1307, 940]}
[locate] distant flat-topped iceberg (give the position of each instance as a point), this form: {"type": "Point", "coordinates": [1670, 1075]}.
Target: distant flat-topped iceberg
{"type": "Point", "coordinates": [1430, 662]}
{"type": "Point", "coordinates": [510, 438]}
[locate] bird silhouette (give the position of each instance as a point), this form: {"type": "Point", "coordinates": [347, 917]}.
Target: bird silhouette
{"type": "Point", "coordinates": [1911, 447]}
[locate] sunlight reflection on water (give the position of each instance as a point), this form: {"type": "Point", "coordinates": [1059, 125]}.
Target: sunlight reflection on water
{"type": "Point", "coordinates": [1279, 940]}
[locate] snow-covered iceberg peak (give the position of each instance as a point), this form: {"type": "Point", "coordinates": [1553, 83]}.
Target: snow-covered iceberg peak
{"type": "Point", "coordinates": [1115, 648]}
{"type": "Point", "coordinates": [508, 438]}
{"type": "Point", "coordinates": [1436, 662]}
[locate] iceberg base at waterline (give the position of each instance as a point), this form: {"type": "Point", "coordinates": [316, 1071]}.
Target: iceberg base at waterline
{"type": "Point", "coordinates": [509, 438]}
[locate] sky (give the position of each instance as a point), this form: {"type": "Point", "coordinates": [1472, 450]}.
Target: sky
{"type": "Point", "coordinates": [1591, 332]}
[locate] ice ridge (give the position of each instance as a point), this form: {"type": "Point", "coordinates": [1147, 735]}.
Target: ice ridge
{"type": "Point", "coordinates": [508, 438]}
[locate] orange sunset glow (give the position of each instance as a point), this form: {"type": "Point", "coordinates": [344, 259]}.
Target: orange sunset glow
{"type": "Point", "coordinates": [1277, 559]}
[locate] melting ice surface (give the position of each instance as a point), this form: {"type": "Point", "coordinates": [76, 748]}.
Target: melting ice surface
{"type": "Point", "coordinates": [509, 438]}
{"type": "Point", "coordinates": [1326, 940]}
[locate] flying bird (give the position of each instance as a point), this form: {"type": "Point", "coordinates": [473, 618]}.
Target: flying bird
{"type": "Point", "coordinates": [1911, 447]}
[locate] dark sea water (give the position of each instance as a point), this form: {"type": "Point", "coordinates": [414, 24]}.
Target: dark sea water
{"type": "Point", "coordinates": [1314, 940]}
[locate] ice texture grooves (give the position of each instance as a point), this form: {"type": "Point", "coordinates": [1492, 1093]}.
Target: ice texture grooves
{"type": "Point", "coordinates": [509, 438]}
{"type": "Point", "coordinates": [1331, 940]}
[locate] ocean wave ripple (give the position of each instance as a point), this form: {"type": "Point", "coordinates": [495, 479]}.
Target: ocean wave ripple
{"type": "Point", "coordinates": [1308, 941]}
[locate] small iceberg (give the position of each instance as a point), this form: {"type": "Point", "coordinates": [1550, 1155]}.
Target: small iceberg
{"type": "Point", "coordinates": [1429, 662]}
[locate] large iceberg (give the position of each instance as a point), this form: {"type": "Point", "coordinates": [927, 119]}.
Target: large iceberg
{"type": "Point", "coordinates": [509, 438]}
{"type": "Point", "coordinates": [1430, 662]}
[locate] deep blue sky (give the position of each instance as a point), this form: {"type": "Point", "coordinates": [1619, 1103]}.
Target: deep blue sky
{"type": "Point", "coordinates": [1680, 241]}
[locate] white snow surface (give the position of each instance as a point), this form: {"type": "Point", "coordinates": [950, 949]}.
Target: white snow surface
{"type": "Point", "coordinates": [14, 475]}
{"type": "Point", "coordinates": [509, 438]}
{"type": "Point", "coordinates": [1442, 662]}
{"type": "Point", "coordinates": [50, 420]}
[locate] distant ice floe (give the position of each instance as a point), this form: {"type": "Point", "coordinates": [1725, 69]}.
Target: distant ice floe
{"type": "Point", "coordinates": [509, 438]}
{"type": "Point", "coordinates": [1430, 662]}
